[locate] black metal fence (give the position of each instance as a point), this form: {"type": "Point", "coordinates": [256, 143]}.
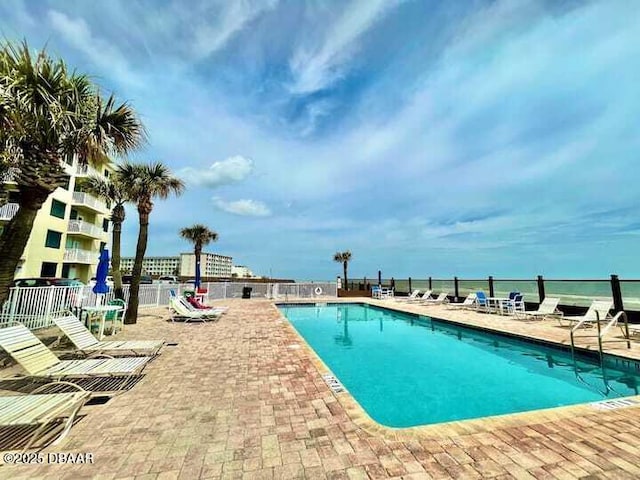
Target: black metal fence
{"type": "Point", "coordinates": [575, 294]}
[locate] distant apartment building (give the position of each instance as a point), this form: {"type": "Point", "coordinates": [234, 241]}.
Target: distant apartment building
{"type": "Point", "coordinates": [184, 265]}
{"type": "Point", "coordinates": [159, 266]}
{"type": "Point", "coordinates": [241, 271]}
{"type": "Point", "coordinates": [211, 265]}
{"type": "Point", "coordinates": [69, 230]}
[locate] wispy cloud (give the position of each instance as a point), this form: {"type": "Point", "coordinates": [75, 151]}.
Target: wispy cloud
{"type": "Point", "coordinates": [246, 207]}
{"type": "Point", "coordinates": [213, 33]}
{"type": "Point", "coordinates": [317, 66]}
{"type": "Point", "coordinates": [231, 170]}
{"type": "Point", "coordinates": [103, 54]}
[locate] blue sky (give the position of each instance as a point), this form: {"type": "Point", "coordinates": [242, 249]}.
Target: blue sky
{"type": "Point", "coordinates": [428, 137]}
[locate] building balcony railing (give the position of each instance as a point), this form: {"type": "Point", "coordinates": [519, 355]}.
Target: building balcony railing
{"type": "Point", "coordinates": [80, 227]}
{"type": "Point", "coordinates": [82, 199]}
{"type": "Point", "coordinates": [8, 210]}
{"type": "Point", "coordinates": [77, 255]}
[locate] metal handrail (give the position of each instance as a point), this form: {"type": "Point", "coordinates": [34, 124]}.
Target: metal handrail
{"type": "Point", "coordinates": [601, 332]}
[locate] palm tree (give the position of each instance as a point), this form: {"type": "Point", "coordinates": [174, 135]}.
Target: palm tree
{"type": "Point", "coordinates": [344, 258]}
{"type": "Point", "coordinates": [112, 191]}
{"type": "Point", "coordinates": [143, 183]}
{"type": "Point", "coordinates": [48, 113]}
{"type": "Point", "coordinates": [200, 236]}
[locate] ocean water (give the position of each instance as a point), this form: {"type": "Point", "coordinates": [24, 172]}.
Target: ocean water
{"type": "Point", "coordinates": [407, 371]}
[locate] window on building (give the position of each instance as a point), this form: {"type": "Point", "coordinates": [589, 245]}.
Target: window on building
{"type": "Point", "coordinates": [58, 209]}
{"type": "Point", "coordinates": [106, 173]}
{"type": "Point", "coordinates": [53, 239]}
{"type": "Point", "coordinates": [48, 269]}
{"type": "Point", "coordinates": [74, 214]}
{"type": "Point", "coordinates": [105, 225]}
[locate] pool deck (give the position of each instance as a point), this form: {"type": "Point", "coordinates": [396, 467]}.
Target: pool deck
{"type": "Point", "coordinates": [243, 398]}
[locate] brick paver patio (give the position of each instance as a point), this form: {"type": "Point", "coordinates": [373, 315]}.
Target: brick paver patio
{"type": "Point", "coordinates": [243, 398]}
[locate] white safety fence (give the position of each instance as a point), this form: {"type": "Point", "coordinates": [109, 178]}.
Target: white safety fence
{"type": "Point", "coordinates": [36, 307]}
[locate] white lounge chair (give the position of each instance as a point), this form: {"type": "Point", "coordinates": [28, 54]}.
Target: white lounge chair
{"type": "Point", "coordinates": [469, 302]}
{"type": "Point", "coordinates": [442, 298]}
{"type": "Point", "coordinates": [425, 296]}
{"type": "Point", "coordinates": [180, 311]}
{"type": "Point", "coordinates": [40, 362]}
{"type": "Point", "coordinates": [39, 408]}
{"type": "Point", "coordinates": [214, 311]}
{"type": "Point", "coordinates": [410, 297]}
{"type": "Point", "coordinates": [548, 308]}
{"type": "Point", "coordinates": [599, 310]}
{"type": "Point", "coordinates": [86, 343]}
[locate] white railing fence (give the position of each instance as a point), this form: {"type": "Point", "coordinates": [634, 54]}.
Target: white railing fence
{"type": "Point", "coordinates": [36, 307]}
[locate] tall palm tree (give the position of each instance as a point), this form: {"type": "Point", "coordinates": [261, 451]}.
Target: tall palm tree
{"type": "Point", "coordinates": [143, 183]}
{"type": "Point", "coordinates": [111, 190]}
{"type": "Point", "coordinates": [47, 113]}
{"type": "Point", "coordinates": [344, 258]}
{"type": "Point", "coordinates": [200, 236]}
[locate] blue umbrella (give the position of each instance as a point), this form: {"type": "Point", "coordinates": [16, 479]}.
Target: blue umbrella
{"type": "Point", "coordinates": [101, 273]}
{"type": "Point", "coordinates": [196, 282]}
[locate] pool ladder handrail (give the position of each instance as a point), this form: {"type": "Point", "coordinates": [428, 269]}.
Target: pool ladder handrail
{"type": "Point", "coordinates": [601, 332]}
{"type": "Point", "coordinates": [615, 320]}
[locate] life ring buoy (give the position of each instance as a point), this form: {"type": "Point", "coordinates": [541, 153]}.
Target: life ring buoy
{"type": "Point", "coordinates": [318, 291]}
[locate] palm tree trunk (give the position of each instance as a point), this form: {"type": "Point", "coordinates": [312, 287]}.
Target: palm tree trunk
{"type": "Point", "coordinates": [15, 237]}
{"type": "Point", "coordinates": [132, 310]}
{"type": "Point", "coordinates": [117, 216]}
{"type": "Point", "coordinates": [115, 261]}
{"type": "Point", "coordinates": [346, 284]}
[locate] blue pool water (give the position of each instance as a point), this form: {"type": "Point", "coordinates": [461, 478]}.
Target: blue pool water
{"type": "Point", "coordinates": [406, 370]}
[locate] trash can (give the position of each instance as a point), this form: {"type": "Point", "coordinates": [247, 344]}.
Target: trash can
{"type": "Point", "coordinates": [246, 292]}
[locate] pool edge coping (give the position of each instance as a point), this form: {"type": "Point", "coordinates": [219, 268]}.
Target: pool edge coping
{"type": "Point", "coordinates": [362, 419]}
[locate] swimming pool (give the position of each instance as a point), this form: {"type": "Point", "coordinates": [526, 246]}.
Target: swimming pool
{"type": "Point", "coordinates": [406, 370]}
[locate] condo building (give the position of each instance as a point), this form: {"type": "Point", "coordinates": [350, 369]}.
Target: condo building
{"type": "Point", "coordinates": [184, 265]}
{"type": "Point", "coordinates": [155, 266]}
{"type": "Point", "coordinates": [69, 231]}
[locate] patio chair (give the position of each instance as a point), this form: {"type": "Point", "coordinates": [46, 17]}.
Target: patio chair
{"type": "Point", "coordinates": [376, 291]}
{"type": "Point", "coordinates": [482, 302]}
{"type": "Point", "coordinates": [513, 305]}
{"type": "Point", "coordinates": [469, 302]}
{"type": "Point", "coordinates": [548, 308]}
{"type": "Point", "coordinates": [599, 310]}
{"type": "Point", "coordinates": [442, 298]}
{"type": "Point", "coordinates": [86, 343]}
{"type": "Point", "coordinates": [180, 312]}
{"type": "Point", "coordinates": [18, 412]}
{"type": "Point", "coordinates": [386, 293]}
{"type": "Point", "coordinates": [116, 318]}
{"type": "Point", "coordinates": [40, 362]}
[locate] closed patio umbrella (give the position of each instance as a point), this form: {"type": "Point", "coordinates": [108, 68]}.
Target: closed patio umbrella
{"type": "Point", "coordinates": [101, 287]}
{"type": "Point", "coordinates": [196, 282]}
